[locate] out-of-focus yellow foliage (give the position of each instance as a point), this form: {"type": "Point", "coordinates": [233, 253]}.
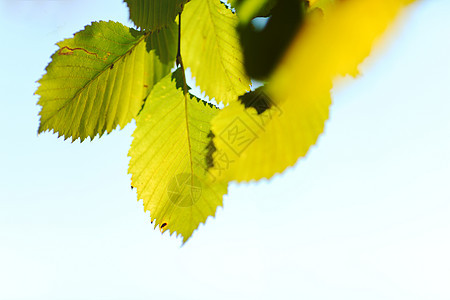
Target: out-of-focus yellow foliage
{"type": "Point", "coordinates": [323, 5]}
{"type": "Point", "coordinates": [332, 46]}
{"type": "Point", "coordinates": [323, 49]}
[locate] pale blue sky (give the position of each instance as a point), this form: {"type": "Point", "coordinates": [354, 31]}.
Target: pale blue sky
{"type": "Point", "coordinates": [365, 216]}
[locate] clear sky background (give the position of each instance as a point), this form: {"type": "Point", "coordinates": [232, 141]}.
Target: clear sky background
{"type": "Point", "coordinates": [365, 216]}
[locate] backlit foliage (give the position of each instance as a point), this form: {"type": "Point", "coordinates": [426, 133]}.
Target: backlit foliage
{"type": "Point", "coordinates": [185, 150]}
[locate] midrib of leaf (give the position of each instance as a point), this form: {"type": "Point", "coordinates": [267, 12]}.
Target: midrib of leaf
{"type": "Point", "coordinates": [187, 133]}
{"type": "Point", "coordinates": [186, 118]}
{"type": "Point", "coordinates": [217, 42]}
{"type": "Point", "coordinates": [97, 75]}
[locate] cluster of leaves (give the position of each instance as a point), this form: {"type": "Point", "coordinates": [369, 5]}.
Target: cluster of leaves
{"type": "Point", "coordinates": [186, 150]}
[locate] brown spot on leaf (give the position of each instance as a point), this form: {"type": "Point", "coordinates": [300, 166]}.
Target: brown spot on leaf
{"type": "Point", "coordinates": [69, 51]}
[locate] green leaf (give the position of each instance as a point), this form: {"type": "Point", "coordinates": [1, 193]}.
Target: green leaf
{"type": "Point", "coordinates": [154, 14]}
{"type": "Point", "coordinates": [210, 48]}
{"type": "Point", "coordinates": [168, 158]}
{"type": "Point", "coordinates": [99, 79]}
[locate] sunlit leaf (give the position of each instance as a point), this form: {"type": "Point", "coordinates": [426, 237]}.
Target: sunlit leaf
{"type": "Point", "coordinates": [154, 14]}
{"type": "Point", "coordinates": [265, 138]}
{"type": "Point", "coordinates": [210, 48]}
{"type": "Point", "coordinates": [99, 79]}
{"type": "Point", "coordinates": [168, 158]}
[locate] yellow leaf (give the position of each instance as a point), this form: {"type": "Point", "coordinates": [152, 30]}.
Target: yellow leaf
{"type": "Point", "coordinates": [323, 5]}
{"type": "Point", "coordinates": [254, 146]}
{"type": "Point", "coordinates": [336, 45]}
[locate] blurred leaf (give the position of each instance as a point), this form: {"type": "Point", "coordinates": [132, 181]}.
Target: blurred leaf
{"type": "Point", "coordinates": [210, 48]}
{"type": "Point", "coordinates": [333, 46]}
{"type": "Point", "coordinates": [323, 5]}
{"type": "Point", "coordinates": [168, 158]}
{"type": "Point", "coordinates": [264, 48]}
{"type": "Point", "coordinates": [154, 14]}
{"type": "Point", "coordinates": [249, 9]}
{"type": "Point", "coordinates": [265, 138]}
{"type": "Point", "coordinates": [254, 146]}
{"type": "Point", "coordinates": [99, 79]}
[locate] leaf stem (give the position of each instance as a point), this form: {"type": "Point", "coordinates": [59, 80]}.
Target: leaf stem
{"type": "Point", "coordinates": [179, 60]}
